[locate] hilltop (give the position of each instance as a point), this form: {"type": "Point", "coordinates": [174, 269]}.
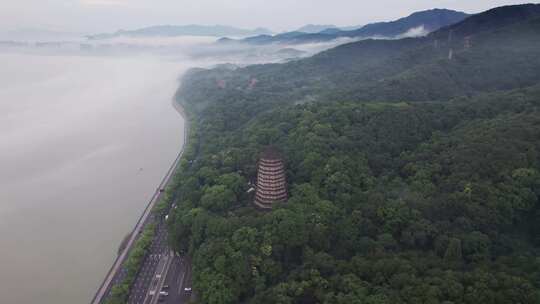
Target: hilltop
{"type": "Point", "coordinates": [417, 24]}
{"type": "Point", "coordinates": [316, 28]}
{"type": "Point", "coordinates": [412, 68]}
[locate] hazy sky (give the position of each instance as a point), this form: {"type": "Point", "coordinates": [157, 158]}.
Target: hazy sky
{"type": "Point", "coordinates": [106, 15]}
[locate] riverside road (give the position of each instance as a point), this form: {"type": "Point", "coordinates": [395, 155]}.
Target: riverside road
{"type": "Point", "coordinates": [162, 271]}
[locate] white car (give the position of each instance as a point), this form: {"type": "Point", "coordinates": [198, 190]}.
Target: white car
{"type": "Point", "coordinates": [187, 289]}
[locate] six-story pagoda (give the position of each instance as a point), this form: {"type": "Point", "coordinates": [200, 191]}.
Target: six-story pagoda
{"type": "Point", "coordinates": [271, 183]}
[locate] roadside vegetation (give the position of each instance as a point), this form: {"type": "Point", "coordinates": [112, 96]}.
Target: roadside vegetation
{"type": "Point", "coordinates": [120, 292]}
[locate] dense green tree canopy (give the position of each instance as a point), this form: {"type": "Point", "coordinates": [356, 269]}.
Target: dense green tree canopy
{"type": "Point", "coordinates": [429, 197]}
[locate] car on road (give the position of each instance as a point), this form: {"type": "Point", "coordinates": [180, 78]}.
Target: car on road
{"type": "Point", "coordinates": [163, 293]}
{"type": "Point", "coordinates": [187, 289]}
{"type": "Point", "coordinates": [165, 287]}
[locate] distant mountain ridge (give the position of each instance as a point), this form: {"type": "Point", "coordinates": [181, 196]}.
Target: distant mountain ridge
{"type": "Point", "coordinates": [431, 20]}
{"type": "Point", "coordinates": [416, 69]}
{"type": "Point", "coordinates": [184, 30]}
{"type": "Point", "coordinates": [316, 28]}
{"type": "Point", "coordinates": [425, 21]}
{"type": "Point", "coordinates": [492, 19]}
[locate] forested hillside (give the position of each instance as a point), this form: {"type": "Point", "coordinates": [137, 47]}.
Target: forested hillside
{"type": "Point", "coordinates": [414, 175]}
{"type": "Point", "coordinates": [501, 53]}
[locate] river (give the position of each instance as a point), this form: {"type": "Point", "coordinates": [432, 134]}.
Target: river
{"type": "Point", "coordinates": [84, 142]}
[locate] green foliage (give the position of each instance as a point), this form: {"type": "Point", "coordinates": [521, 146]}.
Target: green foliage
{"type": "Point", "coordinates": [218, 198]}
{"type": "Point", "coordinates": [401, 214]}
{"type": "Point", "coordinates": [120, 292]}
{"type": "Point", "coordinates": [420, 201]}
{"type": "Point", "coordinates": [386, 70]}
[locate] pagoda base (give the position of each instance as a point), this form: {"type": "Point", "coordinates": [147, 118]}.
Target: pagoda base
{"type": "Point", "coordinates": [265, 206]}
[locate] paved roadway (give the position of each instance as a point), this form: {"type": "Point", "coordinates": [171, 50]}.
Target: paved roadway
{"type": "Point", "coordinates": [178, 278]}
{"type": "Point", "coordinates": [156, 260]}
{"type": "Point", "coordinates": [163, 271]}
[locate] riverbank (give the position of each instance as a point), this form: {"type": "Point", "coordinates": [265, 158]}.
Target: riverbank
{"type": "Point", "coordinates": [161, 196]}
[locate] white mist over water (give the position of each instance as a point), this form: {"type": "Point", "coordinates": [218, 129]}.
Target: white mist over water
{"type": "Point", "coordinates": [84, 142]}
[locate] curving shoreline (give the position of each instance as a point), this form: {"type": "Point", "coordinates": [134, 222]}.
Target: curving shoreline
{"type": "Point", "coordinates": [121, 257]}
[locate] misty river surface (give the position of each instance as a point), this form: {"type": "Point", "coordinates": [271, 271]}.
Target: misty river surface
{"type": "Point", "coordinates": [84, 142]}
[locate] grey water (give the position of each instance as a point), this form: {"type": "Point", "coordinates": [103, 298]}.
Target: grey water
{"type": "Point", "coordinates": [84, 142]}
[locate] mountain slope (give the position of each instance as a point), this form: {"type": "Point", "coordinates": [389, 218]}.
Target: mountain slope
{"type": "Point", "coordinates": [424, 22]}
{"type": "Point", "coordinates": [429, 196]}
{"type": "Point", "coordinates": [432, 67]}
{"type": "Point", "coordinates": [430, 20]}
{"type": "Point", "coordinates": [492, 20]}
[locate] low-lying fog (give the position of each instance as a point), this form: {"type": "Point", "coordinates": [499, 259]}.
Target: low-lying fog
{"type": "Point", "coordinates": [84, 143]}
{"type": "Point", "coordinates": [86, 134]}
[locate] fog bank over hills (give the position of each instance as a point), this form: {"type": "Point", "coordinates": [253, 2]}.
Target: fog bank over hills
{"type": "Point", "coordinates": [316, 28]}
{"type": "Point", "coordinates": [184, 30]}
{"type": "Point", "coordinates": [176, 48]}
{"type": "Point", "coordinates": [416, 24]}
{"type": "Point", "coordinates": [197, 41]}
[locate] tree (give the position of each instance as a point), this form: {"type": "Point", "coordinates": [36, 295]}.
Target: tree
{"type": "Point", "coordinates": [234, 182]}
{"type": "Point", "coordinates": [476, 246]}
{"type": "Point", "coordinates": [453, 252]}
{"type": "Point", "coordinates": [218, 198]}
{"type": "Point", "coordinates": [215, 288]}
